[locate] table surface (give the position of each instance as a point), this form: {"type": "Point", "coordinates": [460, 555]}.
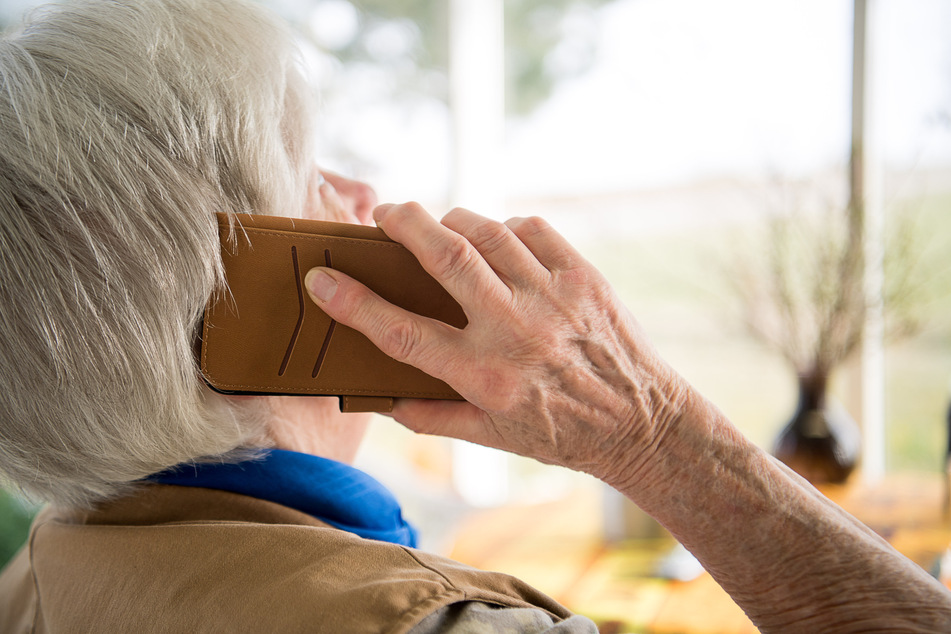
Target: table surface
{"type": "Point", "coordinates": [558, 547]}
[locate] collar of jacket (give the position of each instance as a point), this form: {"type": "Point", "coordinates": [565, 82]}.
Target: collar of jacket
{"type": "Point", "coordinates": [331, 491]}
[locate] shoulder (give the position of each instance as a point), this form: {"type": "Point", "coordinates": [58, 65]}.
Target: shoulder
{"type": "Point", "coordinates": [274, 572]}
{"type": "Point", "coordinates": [17, 596]}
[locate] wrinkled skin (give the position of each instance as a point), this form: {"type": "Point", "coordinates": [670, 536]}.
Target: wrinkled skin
{"type": "Point", "coordinates": [554, 367]}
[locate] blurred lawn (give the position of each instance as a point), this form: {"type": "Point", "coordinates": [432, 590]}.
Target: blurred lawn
{"type": "Point", "coordinates": [919, 369]}
{"type": "Point", "coordinates": [674, 285]}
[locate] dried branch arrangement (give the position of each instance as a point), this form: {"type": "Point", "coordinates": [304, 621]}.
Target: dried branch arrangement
{"type": "Point", "coordinates": [800, 284]}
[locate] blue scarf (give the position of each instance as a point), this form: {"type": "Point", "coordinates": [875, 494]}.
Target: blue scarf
{"type": "Point", "coordinates": [333, 492]}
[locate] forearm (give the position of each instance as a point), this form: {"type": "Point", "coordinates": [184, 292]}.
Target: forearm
{"type": "Point", "coordinates": [793, 560]}
{"type": "Point", "coordinates": [552, 366]}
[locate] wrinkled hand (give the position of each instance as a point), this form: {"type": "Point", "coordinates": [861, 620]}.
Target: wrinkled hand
{"type": "Point", "coordinates": [551, 364]}
{"type": "Point", "coordinates": [553, 367]}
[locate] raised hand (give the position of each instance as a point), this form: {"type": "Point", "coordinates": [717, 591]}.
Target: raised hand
{"type": "Point", "coordinates": [551, 364]}
{"type": "Point", "coordinates": [554, 367]}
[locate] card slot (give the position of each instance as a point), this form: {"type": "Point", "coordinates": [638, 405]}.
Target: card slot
{"type": "Point", "coordinates": [330, 331]}
{"type": "Point", "coordinates": [300, 317]}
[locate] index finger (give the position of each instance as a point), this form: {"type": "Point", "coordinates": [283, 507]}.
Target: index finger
{"type": "Point", "coordinates": [445, 254]}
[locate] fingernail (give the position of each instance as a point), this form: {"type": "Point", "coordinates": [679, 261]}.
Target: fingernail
{"type": "Point", "coordinates": [320, 285]}
{"type": "Point", "coordinates": [379, 212]}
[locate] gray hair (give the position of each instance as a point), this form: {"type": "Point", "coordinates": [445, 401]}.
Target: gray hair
{"type": "Point", "coordinates": [124, 126]}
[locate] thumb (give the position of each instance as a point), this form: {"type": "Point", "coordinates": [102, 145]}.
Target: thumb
{"type": "Point", "coordinates": [399, 333]}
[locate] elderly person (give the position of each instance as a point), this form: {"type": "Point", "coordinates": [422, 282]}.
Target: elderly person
{"type": "Point", "coordinates": [125, 126]}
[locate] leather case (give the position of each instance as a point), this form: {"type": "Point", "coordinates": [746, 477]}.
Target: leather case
{"type": "Point", "coordinates": [267, 337]}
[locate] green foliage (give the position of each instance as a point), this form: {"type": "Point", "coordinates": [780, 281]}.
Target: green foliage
{"type": "Point", "coordinates": [15, 518]}
{"type": "Point", "coordinates": [535, 32]}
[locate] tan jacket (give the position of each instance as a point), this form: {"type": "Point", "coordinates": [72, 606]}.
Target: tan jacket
{"type": "Point", "coordinates": [182, 559]}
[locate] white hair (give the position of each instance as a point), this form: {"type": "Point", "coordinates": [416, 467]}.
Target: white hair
{"type": "Point", "coordinates": [124, 126]}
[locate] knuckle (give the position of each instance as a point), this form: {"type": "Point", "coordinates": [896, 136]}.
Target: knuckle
{"type": "Point", "coordinates": [489, 236]}
{"type": "Point", "coordinates": [402, 214]}
{"type": "Point", "coordinates": [453, 258]}
{"type": "Point", "coordinates": [457, 218]}
{"type": "Point", "coordinates": [406, 210]}
{"type": "Point", "coordinates": [397, 335]}
{"type": "Point", "coordinates": [534, 225]}
{"type": "Point", "coordinates": [401, 339]}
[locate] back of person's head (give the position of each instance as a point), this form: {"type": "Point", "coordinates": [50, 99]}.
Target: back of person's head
{"type": "Point", "coordinates": [124, 126]}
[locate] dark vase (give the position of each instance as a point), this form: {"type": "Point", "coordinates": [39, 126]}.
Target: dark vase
{"type": "Point", "coordinates": [820, 443]}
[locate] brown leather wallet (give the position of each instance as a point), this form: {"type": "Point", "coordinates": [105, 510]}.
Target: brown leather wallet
{"type": "Point", "coordinates": [267, 337]}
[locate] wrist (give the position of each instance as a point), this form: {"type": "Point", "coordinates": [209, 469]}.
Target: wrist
{"type": "Point", "coordinates": [642, 442]}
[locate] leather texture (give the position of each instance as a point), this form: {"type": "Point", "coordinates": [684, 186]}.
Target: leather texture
{"type": "Point", "coordinates": [267, 337]}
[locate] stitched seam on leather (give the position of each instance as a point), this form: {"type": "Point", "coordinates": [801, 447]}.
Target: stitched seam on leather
{"type": "Point", "coordinates": [290, 235]}
{"type": "Point", "coordinates": [332, 391]}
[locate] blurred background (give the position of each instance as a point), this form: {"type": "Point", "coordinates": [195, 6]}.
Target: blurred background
{"type": "Point", "coordinates": [663, 138]}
